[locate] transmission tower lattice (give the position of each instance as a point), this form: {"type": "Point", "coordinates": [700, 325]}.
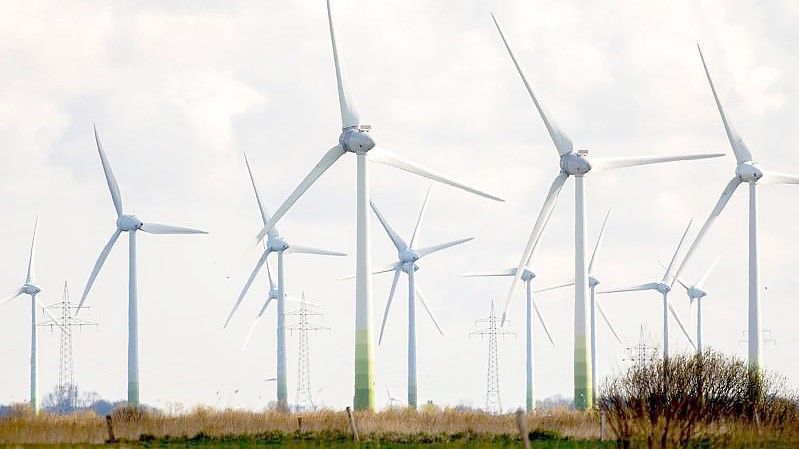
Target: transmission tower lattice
{"type": "Point", "coordinates": [304, 399]}
{"type": "Point", "coordinates": [67, 389]}
{"type": "Point", "coordinates": [492, 330]}
{"type": "Point", "coordinates": [643, 352]}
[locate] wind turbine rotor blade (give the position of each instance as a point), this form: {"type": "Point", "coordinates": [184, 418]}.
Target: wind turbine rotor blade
{"type": "Point", "coordinates": [109, 175]}
{"type": "Point", "coordinates": [294, 249]}
{"type": "Point", "coordinates": [435, 248]}
{"type": "Point", "coordinates": [350, 116]}
{"type": "Point", "coordinates": [538, 229]}
{"type": "Point", "coordinates": [772, 177]}
{"type": "Point", "coordinates": [599, 239]}
{"type": "Point", "coordinates": [97, 266]}
{"type": "Point", "coordinates": [682, 326]}
{"type": "Point", "coordinates": [701, 282]}
{"type": "Point", "coordinates": [325, 163]}
{"type": "Point", "coordinates": [388, 304]}
{"type": "Point", "coordinates": [679, 280]}
{"type": "Point", "coordinates": [384, 269]}
{"type": "Point", "coordinates": [488, 273]}
{"type": "Point", "coordinates": [157, 228]}
{"type": "Point", "coordinates": [742, 153]}
{"type": "Point", "coordinates": [555, 286]}
{"type": "Point", "coordinates": [667, 276]}
{"type": "Point", "coordinates": [714, 214]}
{"type": "Point", "coordinates": [247, 285]}
{"type": "Point", "coordinates": [269, 276]}
{"type": "Point", "coordinates": [12, 296]}
{"type": "Point", "coordinates": [32, 257]}
{"type": "Point", "coordinates": [254, 325]}
{"type": "Point", "coordinates": [420, 296]}
{"type": "Point", "coordinates": [399, 243]}
{"type": "Point", "coordinates": [607, 320]}
{"type": "Point", "coordinates": [633, 288]}
{"type": "Point", "coordinates": [543, 323]}
{"type": "Point", "coordinates": [599, 164]}
{"type": "Point", "coordinates": [383, 156]}
{"type": "Point", "coordinates": [264, 214]}
{"type": "Point", "coordinates": [562, 142]}
{"type": "Point", "coordinates": [415, 235]}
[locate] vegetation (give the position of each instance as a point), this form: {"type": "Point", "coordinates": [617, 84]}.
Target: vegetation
{"type": "Point", "coordinates": [710, 399]}
{"type": "Point", "coordinates": [690, 401]}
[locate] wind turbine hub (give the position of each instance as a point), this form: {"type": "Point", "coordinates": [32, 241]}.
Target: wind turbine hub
{"type": "Point", "coordinates": [592, 281]}
{"type": "Point", "coordinates": [749, 171]}
{"type": "Point", "coordinates": [356, 140]}
{"type": "Point", "coordinates": [273, 293]}
{"type": "Point", "coordinates": [30, 289]}
{"type": "Point", "coordinates": [277, 244]}
{"type": "Point", "coordinates": [663, 288]}
{"type": "Point", "coordinates": [408, 256]}
{"type": "Point", "coordinates": [527, 275]}
{"type": "Point", "coordinates": [406, 267]}
{"type": "Point", "coordinates": [128, 223]}
{"type": "Point", "coordinates": [575, 164]}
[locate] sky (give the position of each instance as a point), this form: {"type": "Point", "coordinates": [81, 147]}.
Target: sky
{"type": "Point", "coordinates": [179, 89]}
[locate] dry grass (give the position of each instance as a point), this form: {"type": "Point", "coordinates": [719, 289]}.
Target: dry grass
{"type": "Point", "coordinates": [391, 425]}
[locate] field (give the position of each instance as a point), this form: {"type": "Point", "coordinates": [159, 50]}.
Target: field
{"type": "Point", "coordinates": [208, 428]}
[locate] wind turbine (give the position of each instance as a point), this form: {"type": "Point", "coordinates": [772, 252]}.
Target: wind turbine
{"type": "Point", "coordinates": [355, 138]}
{"type": "Point", "coordinates": [663, 287]}
{"type": "Point", "coordinates": [696, 293]}
{"type": "Point", "coordinates": [130, 224]}
{"type": "Point", "coordinates": [275, 244]}
{"type": "Point", "coordinates": [31, 289]}
{"type": "Point", "coordinates": [408, 254]}
{"type": "Point", "coordinates": [595, 305]}
{"type": "Point", "coordinates": [575, 163]}
{"type": "Point", "coordinates": [748, 171]}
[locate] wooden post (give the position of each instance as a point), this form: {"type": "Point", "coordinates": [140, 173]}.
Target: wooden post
{"type": "Point", "coordinates": [522, 428]}
{"type": "Point", "coordinates": [110, 426]}
{"type": "Point", "coordinates": [602, 423]}
{"type": "Point", "coordinates": [299, 424]}
{"type": "Point", "coordinates": [353, 428]}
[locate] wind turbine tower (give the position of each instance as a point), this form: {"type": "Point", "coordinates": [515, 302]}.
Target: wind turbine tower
{"type": "Point", "coordinates": [492, 331]}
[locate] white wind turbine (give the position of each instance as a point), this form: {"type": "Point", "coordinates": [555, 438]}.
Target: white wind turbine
{"type": "Point", "coordinates": [130, 224]}
{"type": "Point", "coordinates": [595, 305]}
{"type": "Point", "coordinates": [748, 171]}
{"type": "Point", "coordinates": [275, 244]}
{"type": "Point", "coordinates": [697, 293]}
{"type": "Point", "coordinates": [663, 287]}
{"type": "Point", "coordinates": [31, 289]}
{"type": "Point", "coordinates": [575, 163]}
{"type": "Point", "coordinates": [408, 254]}
{"type": "Point", "coordinates": [355, 138]}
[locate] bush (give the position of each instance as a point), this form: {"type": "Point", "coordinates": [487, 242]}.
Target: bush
{"type": "Point", "coordinates": [684, 399]}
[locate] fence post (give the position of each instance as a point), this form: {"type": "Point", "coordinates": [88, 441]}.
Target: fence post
{"type": "Point", "coordinates": [353, 427]}
{"type": "Point", "coordinates": [522, 428]}
{"type": "Point", "coordinates": [602, 423]}
{"type": "Point", "coordinates": [299, 424]}
{"type": "Point", "coordinates": [110, 426]}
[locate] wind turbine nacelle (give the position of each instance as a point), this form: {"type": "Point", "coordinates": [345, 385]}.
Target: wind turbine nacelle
{"type": "Point", "coordinates": [527, 275]}
{"type": "Point", "coordinates": [749, 172]}
{"type": "Point", "coordinates": [408, 256]}
{"type": "Point", "coordinates": [663, 288]}
{"type": "Point", "coordinates": [696, 293]}
{"type": "Point", "coordinates": [277, 244]}
{"type": "Point", "coordinates": [575, 164]}
{"type": "Point", "coordinates": [128, 223]}
{"type": "Point", "coordinates": [592, 281]}
{"type": "Point", "coordinates": [356, 140]}
{"type": "Point", "coordinates": [31, 289]}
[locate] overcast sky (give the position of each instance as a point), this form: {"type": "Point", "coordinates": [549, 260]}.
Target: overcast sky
{"type": "Point", "coordinates": [178, 91]}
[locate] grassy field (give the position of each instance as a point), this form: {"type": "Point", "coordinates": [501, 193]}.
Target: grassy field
{"type": "Point", "coordinates": [229, 428]}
